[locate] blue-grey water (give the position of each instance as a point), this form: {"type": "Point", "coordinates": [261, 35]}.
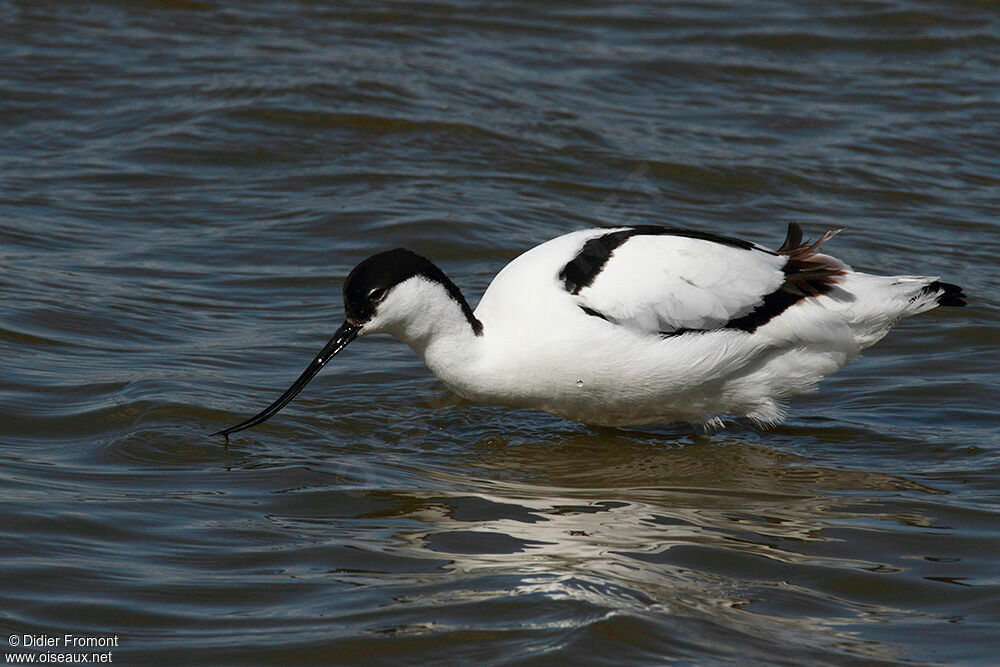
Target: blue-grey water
{"type": "Point", "coordinates": [185, 184]}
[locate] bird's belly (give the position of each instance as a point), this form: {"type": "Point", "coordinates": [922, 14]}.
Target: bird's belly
{"type": "Point", "coordinates": [593, 400]}
{"type": "Point", "coordinates": [650, 380]}
{"type": "Point", "coordinates": [602, 385]}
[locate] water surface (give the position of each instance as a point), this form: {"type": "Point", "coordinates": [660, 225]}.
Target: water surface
{"type": "Point", "coordinates": [185, 185]}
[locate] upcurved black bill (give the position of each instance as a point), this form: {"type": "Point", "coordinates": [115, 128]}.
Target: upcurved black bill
{"type": "Point", "coordinates": [344, 335]}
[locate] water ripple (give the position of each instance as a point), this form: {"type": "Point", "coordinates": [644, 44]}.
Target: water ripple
{"type": "Point", "coordinates": [186, 185]}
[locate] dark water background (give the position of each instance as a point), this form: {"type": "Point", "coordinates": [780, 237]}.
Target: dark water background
{"type": "Point", "coordinates": [184, 186]}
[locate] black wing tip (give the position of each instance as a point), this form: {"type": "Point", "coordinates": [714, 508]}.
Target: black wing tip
{"type": "Point", "coordinates": [796, 249]}
{"type": "Point", "coordinates": [793, 238]}
{"type": "Point", "coordinates": [948, 294]}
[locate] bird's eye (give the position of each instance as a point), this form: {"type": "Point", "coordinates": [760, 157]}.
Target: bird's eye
{"type": "Point", "coordinates": [377, 294]}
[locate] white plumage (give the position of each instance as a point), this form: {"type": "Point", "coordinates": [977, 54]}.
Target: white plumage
{"type": "Point", "coordinates": [664, 283]}
{"type": "Point", "coordinates": [634, 325]}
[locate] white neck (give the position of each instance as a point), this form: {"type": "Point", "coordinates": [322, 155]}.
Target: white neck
{"type": "Point", "coordinates": [422, 314]}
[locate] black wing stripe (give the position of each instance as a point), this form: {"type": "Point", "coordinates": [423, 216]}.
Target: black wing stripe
{"type": "Point", "coordinates": [595, 253]}
{"type": "Point", "coordinates": [594, 313]}
{"type": "Point", "coordinates": [806, 273]}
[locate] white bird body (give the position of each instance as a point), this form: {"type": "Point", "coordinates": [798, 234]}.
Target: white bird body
{"type": "Point", "coordinates": [539, 349]}
{"type": "Point", "coordinates": [634, 325]}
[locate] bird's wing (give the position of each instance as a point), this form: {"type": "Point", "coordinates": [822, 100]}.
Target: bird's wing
{"type": "Point", "coordinates": [671, 281]}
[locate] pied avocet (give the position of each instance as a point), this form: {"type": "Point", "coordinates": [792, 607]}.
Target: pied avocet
{"type": "Point", "coordinates": [633, 325]}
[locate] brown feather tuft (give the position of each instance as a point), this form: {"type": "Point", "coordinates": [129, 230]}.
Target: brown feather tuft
{"type": "Point", "coordinates": [808, 273]}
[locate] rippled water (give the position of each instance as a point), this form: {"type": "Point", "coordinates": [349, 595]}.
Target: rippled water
{"type": "Point", "coordinates": [184, 186]}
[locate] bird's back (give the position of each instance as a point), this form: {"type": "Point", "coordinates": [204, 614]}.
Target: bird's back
{"type": "Point", "coordinates": [649, 325]}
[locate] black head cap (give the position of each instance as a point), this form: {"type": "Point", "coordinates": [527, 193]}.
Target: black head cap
{"type": "Point", "coordinates": [370, 281]}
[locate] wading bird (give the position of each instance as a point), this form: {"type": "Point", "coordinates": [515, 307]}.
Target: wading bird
{"type": "Point", "coordinates": [633, 325]}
